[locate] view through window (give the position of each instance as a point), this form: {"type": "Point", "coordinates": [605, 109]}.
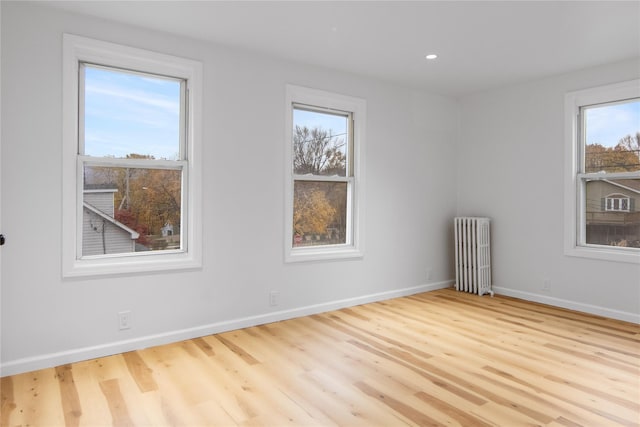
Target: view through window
{"type": "Point", "coordinates": [133, 157]}
{"type": "Point", "coordinates": [322, 176]}
{"type": "Point", "coordinates": [611, 173]}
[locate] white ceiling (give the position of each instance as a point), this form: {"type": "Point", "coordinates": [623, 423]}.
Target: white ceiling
{"type": "Point", "coordinates": [480, 44]}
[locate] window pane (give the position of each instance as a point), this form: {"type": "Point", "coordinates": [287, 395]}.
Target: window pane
{"type": "Point", "coordinates": [320, 143]}
{"type": "Point", "coordinates": [612, 137]}
{"type": "Point", "coordinates": [612, 212]}
{"type": "Point", "coordinates": [128, 113]}
{"type": "Point", "coordinates": [319, 213]}
{"type": "Point", "coordinates": [130, 210]}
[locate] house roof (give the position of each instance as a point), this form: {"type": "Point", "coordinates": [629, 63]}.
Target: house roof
{"type": "Point", "coordinates": [134, 234]}
{"type": "Point", "coordinates": [627, 184]}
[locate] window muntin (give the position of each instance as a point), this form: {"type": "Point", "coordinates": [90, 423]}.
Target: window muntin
{"type": "Point", "coordinates": [617, 203]}
{"type": "Point", "coordinates": [324, 179]}
{"type": "Point", "coordinates": [608, 148]}
{"type": "Point", "coordinates": [85, 151]}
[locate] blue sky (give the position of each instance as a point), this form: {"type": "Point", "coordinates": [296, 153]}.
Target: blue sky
{"type": "Point", "coordinates": [606, 125]}
{"type": "Point", "coordinates": [131, 113]}
{"type": "Point", "coordinates": [311, 119]}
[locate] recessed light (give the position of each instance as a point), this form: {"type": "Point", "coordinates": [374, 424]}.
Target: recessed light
{"type": "Point", "coordinates": [431, 56]}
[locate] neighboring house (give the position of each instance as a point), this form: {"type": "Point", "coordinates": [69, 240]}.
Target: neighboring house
{"type": "Point", "coordinates": [613, 212]}
{"type": "Point", "coordinates": [167, 230]}
{"type": "Point", "coordinates": [102, 233]}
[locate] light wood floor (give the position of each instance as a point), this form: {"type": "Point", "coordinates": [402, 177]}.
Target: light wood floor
{"type": "Point", "coordinates": [439, 358]}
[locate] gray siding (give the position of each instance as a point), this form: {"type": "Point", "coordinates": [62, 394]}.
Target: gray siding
{"type": "Point", "coordinates": [101, 200]}
{"type": "Point", "coordinates": [116, 240]}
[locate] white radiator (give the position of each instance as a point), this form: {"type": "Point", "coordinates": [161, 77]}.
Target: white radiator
{"type": "Point", "coordinates": [473, 255]}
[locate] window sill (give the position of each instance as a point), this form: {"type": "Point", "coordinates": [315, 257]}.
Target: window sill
{"type": "Point", "coordinates": [331, 253]}
{"type": "Point", "coordinates": [110, 266]}
{"type": "Point", "coordinates": [603, 253]}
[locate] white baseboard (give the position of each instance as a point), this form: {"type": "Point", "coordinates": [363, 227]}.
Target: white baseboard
{"type": "Point", "coordinates": [28, 364]}
{"type": "Point", "coordinates": [571, 305]}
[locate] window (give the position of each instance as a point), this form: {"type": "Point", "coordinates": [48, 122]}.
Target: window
{"type": "Point", "coordinates": [130, 159]}
{"type": "Point", "coordinates": [324, 178]}
{"type": "Point", "coordinates": [603, 172]}
{"type": "Point", "coordinates": [617, 203]}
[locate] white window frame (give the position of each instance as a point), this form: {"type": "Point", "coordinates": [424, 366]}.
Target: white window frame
{"type": "Point", "coordinates": [575, 178]}
{"type": "Point", "coordinates": [77, 50]}
{"type": "Point", "coordinates": [327, 101]}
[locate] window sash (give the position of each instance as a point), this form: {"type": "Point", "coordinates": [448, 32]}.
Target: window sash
{"type": "Point", "coordinates": [584, 177]}
{"type": "Point", "coordinates": [132, 163]}
{"type": "Point", "coordinates": [349, 229]}
{"type": "Point", "coordinates": [348, 179]}
{"type": "Point", "coordinates": [348, 115]}
{"type": "Point", "coordinates": [184, 103]}
{"type": "Point", "coordinates": [83, 161]}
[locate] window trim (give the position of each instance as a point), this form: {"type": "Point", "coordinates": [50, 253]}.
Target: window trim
{"type": "Point", "coordinates": [574, 181]}
{"type": "Point", "coordinates": [77, 50]}
{"type": "Point", "coordinates": [327, 101]}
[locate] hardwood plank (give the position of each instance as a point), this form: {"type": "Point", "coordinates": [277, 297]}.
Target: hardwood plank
{"type": "Point", "coordinates": [69, 396]}
{"type": "Point", "coordinates": [88, 375]}
{"type": "Point", "coordinates": [140, 372]}
{"type": "Point", "coordinates": [7, 400]}
{"type": "Point", "coordinates": [117, 404]}
{"type": "Point", "coordinates": [437, 358]}
{"type": "Point", "coordinates": [403, 409]}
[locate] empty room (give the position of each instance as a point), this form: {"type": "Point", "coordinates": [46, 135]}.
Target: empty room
{"type": "Point", "coordinates": [328, 213]}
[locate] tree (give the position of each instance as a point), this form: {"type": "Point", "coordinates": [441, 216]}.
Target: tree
{"type": "Point", "coordinates": [316, 151]}
{"type": "Point", "coordinates": [624, 157]}
{"type": "Point", "coordinates": [631, 145]}
{"type": "Point", "coordinates": [146, 199]}
{"type": "Point", "coordinates": [312, 212]}
{"type": "Point", "coordinates": [126, 217]}
{"type": "Point", "coordinates": [319, 205]}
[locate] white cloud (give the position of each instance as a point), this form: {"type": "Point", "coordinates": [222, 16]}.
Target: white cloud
{"type": "Point", "coordinates": [145, 98]}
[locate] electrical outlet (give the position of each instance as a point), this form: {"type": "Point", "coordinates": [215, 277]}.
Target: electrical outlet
{"type": "Point", "coordinates": [274, 298]}
{"type": "Point", "coordinates": [546, 285]}
{"type": "Point", "coordinates": [124, 320]}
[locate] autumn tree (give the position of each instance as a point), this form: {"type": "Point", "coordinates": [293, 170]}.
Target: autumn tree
{"type": "Point", "coordinates": [319, 206]}
{"type": "Point", "coordinates": [146, 199]}
{"type": "Point", "coordinates": [312, 212]}
{"type": "Point", "coordinates": [624, 157]}
{"type": "Point", "coordinates": [126, 217]}
{"type": "Point", "coordinates": [154, 198]}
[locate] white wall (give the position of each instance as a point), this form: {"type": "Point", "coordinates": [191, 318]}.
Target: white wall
{"type": "Point", "coordinates": [410, 200]}
{"type": "Point", "coordinates": [511, 168]}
